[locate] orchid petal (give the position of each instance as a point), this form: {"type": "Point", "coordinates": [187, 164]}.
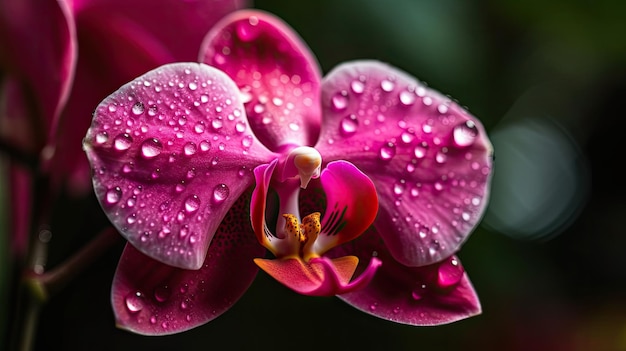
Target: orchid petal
{"type": "Point", "coordinates": [321, 276]}
{"type": "Point", "coordinates": [118, 41]}
{"type": "Point", "coordinates": [258, 205]}
{"type": "Point", "coordinates": [28, 29]}
{"type": "Point", "coordinates": [351, 205]}
{"type": "Point", "coordinates": [430, 160]}
{"type": "Point", "coordinates": [152, 298]}
{"type": "Point", "coordinates": [437, 294]}
{"type": "Point", "coordinates": [171, 152]}
{"type": "Point", "coordinates": [275, 71]}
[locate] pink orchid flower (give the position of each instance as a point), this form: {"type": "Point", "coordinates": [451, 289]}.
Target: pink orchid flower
{"type": "Point", "coordinates": [196, 165]}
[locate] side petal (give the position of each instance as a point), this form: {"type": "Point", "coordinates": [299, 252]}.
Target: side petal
{"type": "Point", "coordinates": [275, 71]}
{"type": "Point", "coordinates": [152, 298]}
{"type": "Point", "coordinates": [437, 294]}
{"type": "Point", "coordinates": [39, 46]}
{"type": "Point", "coordinates": [430, 160]}
{"type": "Point", "coordinates": [351, 205]}
{"type": "Point", "coordinates": [171, 152]}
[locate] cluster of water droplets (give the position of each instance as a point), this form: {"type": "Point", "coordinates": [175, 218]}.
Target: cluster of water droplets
{"type": "Point", "coordinates": [434, 142]}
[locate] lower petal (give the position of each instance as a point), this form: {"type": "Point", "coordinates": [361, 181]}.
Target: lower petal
{"type": "Point", "coordinates": [152, 298]}
{"type": "Point", "coordinates": [437, 294]}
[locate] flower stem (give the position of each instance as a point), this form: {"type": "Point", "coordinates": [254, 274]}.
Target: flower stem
{"type": "Point", "coordinates": [49, 283]}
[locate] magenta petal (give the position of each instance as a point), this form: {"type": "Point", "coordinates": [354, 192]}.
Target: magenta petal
{"type": "Point", "coordinates": [430, 160]}
{"type": "Point", "coordinates": [431, 295]}
{"type": "Point", "coordinates": [152, 298]}
{"type": "Point", "coordinates": [275, 71]}
{"type": "Point", "coordinates": [171, 152]}
{"type": "Point", "coordinates": [351, 205]}
{"type": "Point", "coordinates": [39, 46]}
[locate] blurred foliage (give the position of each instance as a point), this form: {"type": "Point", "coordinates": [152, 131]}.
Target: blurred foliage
{"type": "Point", "coordinates": [560, 64]}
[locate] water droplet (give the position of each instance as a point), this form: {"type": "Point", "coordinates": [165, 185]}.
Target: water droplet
{"type": "Point", "coordinates": [240, 126]}
{"type": "Point", "coordinates": [450, 273]}
{"type": "Point", "coordinates": [220, 193]}
{"type": "Point", "coordinates": [339, 101]}
{"type": "Point", "coordinates": [192, 204]}
{"type": "Point", "coordinates": [419, 292]}
{"type": "Point", "coordinates": [162, 293]}
{"type": "Point", "coordinates": [112, 108]}
{"type": "Point", "coordinates": [420, 150]}
{"type": "Point", "coordinates": [205, 145]}
{"type": "Point", "coordinates": [466, 216]}
{"type": "Point", "coordinates": [387, 85]}
{"type": "Point", "coordinates": [465, 133]}
{"type": "Point", "coordinates": [277, 101]}
{"type": "Point", "coordinates": [441, 156]}
{"type": "Point", "coordinates": [349, 125]}
{"type": "Point", "coordinates": [138, 108]}
{"type": "Point", "coordinates": [189, 148]}
{"type": "Point", "coordinates": [131, 218]}
{"type": "Point", "coordinates": [294, 126]}
{"type": "Point", "coordinates": [247, 141]}
{"type": "Point", "coordinates": [152, 111]}
{"type": "Point", "coordinates": [217, 124]}
{"type": "Point", "coordinates": [407, 98]}
{"type": "Point", "coordinates": [399, 187]}
{"type": "Point", "coordinates": [114, 195]}
{"type": "Point", "coordinates": [373, 306]}
{"type": "Point", "coordinates": [357, 87]}
{"type": "Point", "coordinates": [193, 86]}
{"type": "Point", "coordinates": [407, 136]}
{"type": "Point", "coordinates": [442, 108]}
{"type": "Point", "coordinates": [199, 128]}
{"type": "Point", "coordinates": [102, 137]}
{"type": "Point", "coordinates": [134, 302]}
{"type": "Point", "coordinates": [387, 151]}
{"type": "Point", "coordinates": [122, 142]}
{"type": "Point", "coordinates": [415, 192]}
{"type": "Point", "coordinates": [151, 148]}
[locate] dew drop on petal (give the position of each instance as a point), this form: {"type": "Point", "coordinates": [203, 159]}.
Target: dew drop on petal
{"type": "Point", "coordinates": [122, 142]}
{"type": "Point", "coordinates": [205, 145]}
{"type": "Point", "coordinates": [192, 203]}
{"type": "Point", "coordinates": [407, 136]}
{"type": "Point", "coordinates": [387, 151]}
{"type": "Point", "coordinates": [162, 293]}
{"type": "Point", "coordinates": [189, 148]}
{"type": "Point", "coordinates": [420, 150]}
{"type": "Point", "coordinates": [138, 108]}
{"type": "Point", "coordinates": [193, 86]}
{"type": "Point", "coordinates": [407, 98]}
{"type": "Point", "coordinates": [387, 85]}
{"type": "Point", "coordinates": [216, 124]}
{"type": "Point", "coordinates": [450, 273]}
{"type": "Point", "coordinates": [349, 125]}
{"type": "Point", "coordinates": [357, 87]}
{"type": "Point", "coordinates": [339, 101]}
{"type": "Point", "coordinates": [465, 134]}
{"type": "Point", "coordinates": [220, 193]}
{"type": "Point", "coordinates": [151, 148]}
{"type": "Point", "coordinates": [114, 195]}
{"type": "Point", "coordinates": [134, 302]}
{"type": "Point", "coordinates": [102, 137]}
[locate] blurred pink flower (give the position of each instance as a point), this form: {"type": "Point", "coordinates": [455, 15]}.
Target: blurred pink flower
{"type": "Point", "coordinates": [192, 162]}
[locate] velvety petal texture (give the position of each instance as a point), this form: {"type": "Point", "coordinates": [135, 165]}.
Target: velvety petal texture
{"type": "Point", "coordinates": [275, 71]}
{"type": "Point", "coordinates": [430, 295]}
{"type": "Point", "coordinates": [430, 160]}
{"type": "Point", "coordinates": [153, 298]}
{"type": "Point", "coordinates": [118, 41]}
{"type": "Point", "coordinates": [171, 152]}
{"type": "Point", "coordinates": [39, 41]}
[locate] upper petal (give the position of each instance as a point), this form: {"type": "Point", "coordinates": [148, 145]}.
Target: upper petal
{"type": "Point", "coordinates": [171, 151]}
{"type": "Point", "coordinates": [152, 298]}
{"type": "Point", "coordinates": [430, 160]}
{"type": "Point", "coordinates": [276, 72]}
{"type": "Point", "coordinates": [430, 295]}
{"type": "Point", "coordinates": [38, 41]}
